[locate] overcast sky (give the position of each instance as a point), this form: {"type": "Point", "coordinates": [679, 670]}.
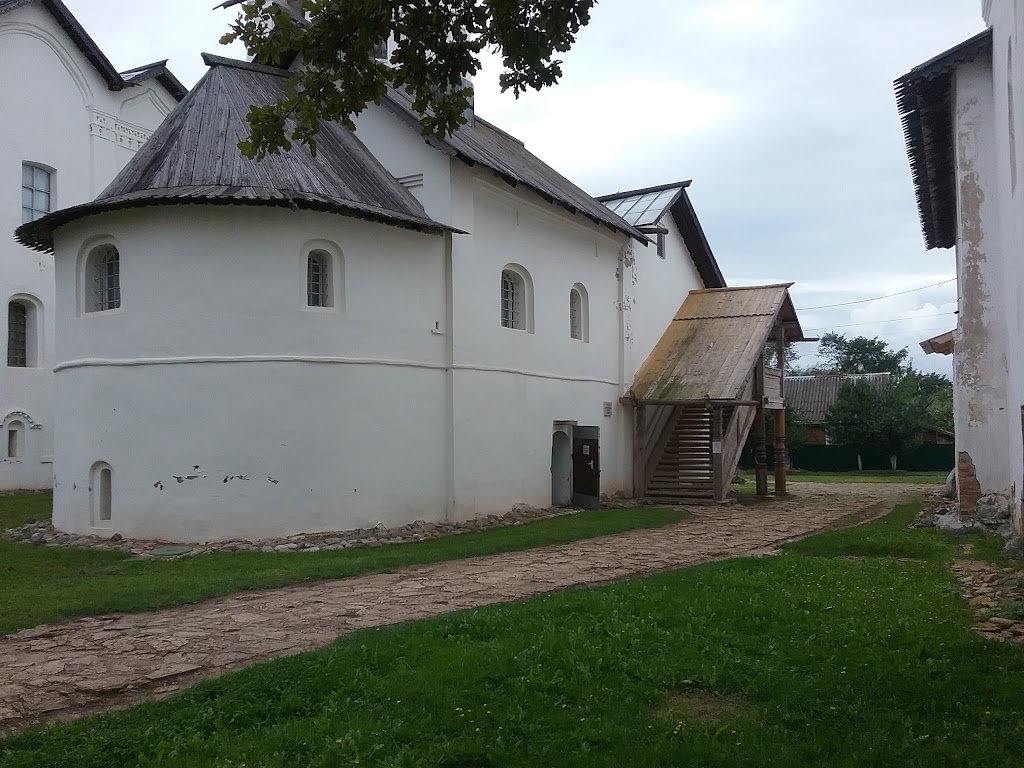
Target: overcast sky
{"type": "Point", "coordinates": [781, 111]}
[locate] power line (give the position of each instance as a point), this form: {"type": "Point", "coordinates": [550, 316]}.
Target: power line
{"type": "Point", "coordinates": [878, 322]}
{"type": "Point", "coordinates": [887, 296]}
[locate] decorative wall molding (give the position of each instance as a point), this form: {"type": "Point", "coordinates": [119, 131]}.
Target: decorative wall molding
{"type": "Point", "coordinates": [224, 359]}
{"type": "Point", "coordinates": [113, 129]}
{"type": "Point", "coordinates": [21, 416]}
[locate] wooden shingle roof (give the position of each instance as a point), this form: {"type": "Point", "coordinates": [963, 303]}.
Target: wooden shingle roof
{"type": "Point", "coordinates": [709, 351]}
{"type": "Point", "coordinates": [193, 157]}
{"type": "Point", "coordinates": [925, 100]}
{"type": "Point", "coordinates": [481, 143]}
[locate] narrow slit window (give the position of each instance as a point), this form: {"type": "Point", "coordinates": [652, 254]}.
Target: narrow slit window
{"type": "Point", "coordinates": [17, 335]}
{"type": "Point", "coordinates": [13, 442]}
{"type": "Point", "coordinates": [104, 279]}
{"type": "Point", "coordinates": [35, 192]}
{"type": "Point", "coordinates": [105, 494]}
{"type": "Point", "coordinates": [318, 279]}
{"type": "Point", "coordinates": [575, 314]}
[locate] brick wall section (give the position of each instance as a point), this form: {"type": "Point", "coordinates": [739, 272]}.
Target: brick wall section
{"type": "Point", "coordinates": [967, 484]}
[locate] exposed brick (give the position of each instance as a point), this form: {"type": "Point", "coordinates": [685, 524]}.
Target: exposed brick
{"type": "Point", "coordinates": [968, 487]}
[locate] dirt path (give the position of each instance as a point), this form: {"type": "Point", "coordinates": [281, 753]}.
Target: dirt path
{"type": "Point", "coordinates": [64, 671]}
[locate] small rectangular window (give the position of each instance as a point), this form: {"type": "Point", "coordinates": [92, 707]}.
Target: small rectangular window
{"type": "Point", "coordinates": [661, 244]}
{"type": "Point", "coordinates": [318, 279]}
{"type": "Point", "coordinates": [35, 192]}
{"type": "Point", "coordinates": [12, 443]}
{"type": "Point", "coordinates": [17, 335]}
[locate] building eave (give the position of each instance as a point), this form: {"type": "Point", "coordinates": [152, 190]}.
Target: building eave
{"type": "Point", "coordinates": [925, 101]}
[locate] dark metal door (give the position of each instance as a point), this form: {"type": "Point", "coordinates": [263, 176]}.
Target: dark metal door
{"type": "Point", "coordinates": [586, 467]}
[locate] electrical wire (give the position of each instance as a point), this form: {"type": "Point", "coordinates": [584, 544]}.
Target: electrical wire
{"type": "Point", "coordinates": [876, 298]}
{"type": "Point", "coordinates": [878, 322]}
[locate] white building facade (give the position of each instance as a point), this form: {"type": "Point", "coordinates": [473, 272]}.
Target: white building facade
{"type": "Point", "coordinates": [71, 122]}
{"type": "Point", "coordinates": [964, 115]}
{"type": "Point", "coordinates": [397, 330]}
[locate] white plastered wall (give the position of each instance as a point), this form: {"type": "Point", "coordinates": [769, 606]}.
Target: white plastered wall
{"type": "Point", "coordinates": [58, 113]}
{"type": "Point", "coordinates": [228, 408]}
{"type": "Point", "coordinates": [981, 375]}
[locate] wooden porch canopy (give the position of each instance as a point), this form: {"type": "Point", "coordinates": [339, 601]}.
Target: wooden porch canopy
{"type": "Point", "coordinates": [940, 345]}
{"type": "Point", "coordinates": [709, 350]}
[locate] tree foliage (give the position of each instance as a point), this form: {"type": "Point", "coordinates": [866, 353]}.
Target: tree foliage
{"type": "Point", "coordinates": [862, 355]}
{"type": "Point", "coordinates": [438, 44]}
{"type": "Point", "coordinates": [889, 418]}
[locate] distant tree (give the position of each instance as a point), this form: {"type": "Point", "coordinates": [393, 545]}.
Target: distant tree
{"type": "Point", "coordinates": [888, 419]}
{"type": "Point", "coordinates": [940, 409]}
{"type": "Point", "coordinates": [862, 355]}
{"type": "Point", "coordinates": [771, 356]}
{"type": "Point", "coordinates": [810, 370]}
{"type": "Point", "coordinates": [438, 43]}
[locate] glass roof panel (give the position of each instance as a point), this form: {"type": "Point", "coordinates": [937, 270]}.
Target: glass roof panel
{"type": "Point", "coordinates": [645, 209]}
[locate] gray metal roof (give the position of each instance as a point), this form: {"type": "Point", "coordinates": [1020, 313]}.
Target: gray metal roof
{"type": "Point", "coordinates": [925, 100]}
{"type": "Point", "coordinates": [88, 47]}
{"type": "Point", "coordinates": [156, 71]}
{"type": "Point", "coordinates": [482, 143]}
{"type": "Point", "coordinates": [813, 396]}
{"type": "Point", "coordinates": [193, 157]}
{"type": "Point", "coordinates": [648, 207]}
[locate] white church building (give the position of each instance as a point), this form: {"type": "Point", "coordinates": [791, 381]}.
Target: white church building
{"type": "Point", "coordinates": [395, 329]}
{"type": "Point", "coordinates": [72, 122]}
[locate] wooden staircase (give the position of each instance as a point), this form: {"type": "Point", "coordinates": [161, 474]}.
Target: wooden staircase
{"type": "Point", "coordinates": [684, 469]}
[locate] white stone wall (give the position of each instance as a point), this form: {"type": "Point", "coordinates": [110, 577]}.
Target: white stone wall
{"type": "Point", "coordinates": [509, 387]}
{"type": "Point", "coordinates": [981, 360]}
{"type": "Point", "coordinates": [228, 408]}
{"type": "Point", "coordinates": [59, 113]}
{"type": "Point", "coordinates": [1007, 152]}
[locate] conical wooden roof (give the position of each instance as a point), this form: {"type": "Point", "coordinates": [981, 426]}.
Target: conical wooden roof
{"type": "Point", "coordinates": [193, 157]}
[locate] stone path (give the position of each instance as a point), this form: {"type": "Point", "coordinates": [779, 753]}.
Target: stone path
{"type": "Point", "coordinates": [64, 671]}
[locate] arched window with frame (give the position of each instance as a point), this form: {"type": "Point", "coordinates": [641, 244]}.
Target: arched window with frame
{"type": "Point", "coordinates": [17, 334]}
{"type": "Point", "coordinates": [318, 279]}
{"type": "Point", "coordinates": [516, 299]}
{"type": "Point", "coordinates": [103, 279]}
{"type": "Point", "coordinates": [579, 313]}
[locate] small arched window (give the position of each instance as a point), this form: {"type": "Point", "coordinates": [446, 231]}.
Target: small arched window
{"type": "Point", "coordinates": [101, 494]}
{"type": "Point", "coordinates": [579, 313]}
{"type": "Point", "coordinates": [103, 279]}
{"type": "Point", "coordinates": [318, 279]}
{"type": "Point", "coordinates": [516, 299]}
{"type": "Point", "coordinates": [15, 436]}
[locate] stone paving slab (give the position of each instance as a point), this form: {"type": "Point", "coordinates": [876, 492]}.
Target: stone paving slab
{"type": "Point", "coordinates": [65, 671]}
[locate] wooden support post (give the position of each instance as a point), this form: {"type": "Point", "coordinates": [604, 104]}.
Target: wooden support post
{"type": "Point", "coordinates": [716, 453]}
{"type": "Point", "coordinates": [760, 448]}
{"type": "Point", "coordinates": [639, 465]}
{"type": "Point", "coordinates": [780, 419]}
{"type": "Point", "coordinates": [780, 453]}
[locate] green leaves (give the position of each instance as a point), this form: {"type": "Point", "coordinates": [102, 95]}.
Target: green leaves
{"type": "Point", "coordinates": [437, 45]}
{"type": "Point", "coordinates": [888, 418]}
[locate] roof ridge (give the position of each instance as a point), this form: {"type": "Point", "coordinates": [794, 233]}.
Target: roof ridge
{"type": "Point", "coordinates": [644, 191]}
{"type": "Point", "coordinates": [213, 60]}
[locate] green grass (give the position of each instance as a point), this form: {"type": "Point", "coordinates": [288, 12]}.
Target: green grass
{"type": "Point", "coordinates": [796, 476]}
{"type": "Point", "coordinates": [43, 584]}
{"type": "Point", "coordinates": [809, 658]}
